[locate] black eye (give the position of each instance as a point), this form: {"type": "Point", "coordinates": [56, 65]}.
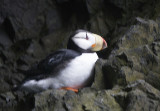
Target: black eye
{"type": "Point", "coordinates": [86, 36]}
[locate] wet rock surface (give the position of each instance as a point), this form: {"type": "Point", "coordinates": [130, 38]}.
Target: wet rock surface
{"type": "Point", "coordinates": [126, 78]}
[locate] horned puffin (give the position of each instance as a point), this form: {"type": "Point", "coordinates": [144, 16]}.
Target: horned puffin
{"type": "Point", "coordinates": [68, 69]}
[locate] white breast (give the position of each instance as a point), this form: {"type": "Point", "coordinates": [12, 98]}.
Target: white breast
{"type": "Point", "coordinates": [74, 75]}
{"type": "Point", "coordinates": [78, 70]}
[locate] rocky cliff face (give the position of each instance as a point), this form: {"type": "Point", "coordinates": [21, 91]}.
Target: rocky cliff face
{"type": "Point", "coordinates": [126, 78]}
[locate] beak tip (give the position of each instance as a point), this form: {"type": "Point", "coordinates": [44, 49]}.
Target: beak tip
{"type": "Point", "coordinates": [104, 44]}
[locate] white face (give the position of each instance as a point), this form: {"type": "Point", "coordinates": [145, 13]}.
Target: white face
{"type": "Point", "coordinates": [88, 40]}
{"type": "Point", "coordinates": [84, 40]}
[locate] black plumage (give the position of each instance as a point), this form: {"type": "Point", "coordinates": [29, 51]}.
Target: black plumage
{"type": "Point", "coordinates": [52, 64]}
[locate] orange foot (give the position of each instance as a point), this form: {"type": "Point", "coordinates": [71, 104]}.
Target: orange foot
{"type": "Point", "coordinates": [69, 88]}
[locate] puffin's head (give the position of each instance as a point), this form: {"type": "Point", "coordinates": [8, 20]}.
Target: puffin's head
{"type": "Point", "coordinates": [84, 41]}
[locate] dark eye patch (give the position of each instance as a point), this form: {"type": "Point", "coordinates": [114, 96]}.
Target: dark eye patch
{"type": "Point", "coordinates": [80, 37]}
{"type": "Point", "coordinates": [86, 36]}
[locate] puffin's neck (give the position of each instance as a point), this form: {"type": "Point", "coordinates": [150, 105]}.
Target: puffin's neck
{"type": "Point", "coordinates": [71, 45]}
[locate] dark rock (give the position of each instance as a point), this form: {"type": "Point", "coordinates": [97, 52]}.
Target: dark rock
{"type": "Point", "coordinates": [7, 34]}
{"type": "Point", "coordinates": [30, 18]}
{"type": "Point", "coordinates": [48, 100]}
{"type": "Point", "coordinates": [5, 41]}
{"type": "Point", "coordinates": [62, 1]}
{"type": "Point", "coordinates": [87, 99]}
{"type": "Point", "coordinates": [7, 100]}
{"type": "Point", "coordinates": [136, 8]}
{"type": "Point", "coordinates": [92, 100]}
{"type": "Point", "coordinates": [138, 96]}
{"type": "Point", "coordinates": [99, 79]}
{"type": "Point", "coordinates": [21, 46]}
{"type": "Point", "coordinates": [98, 24]}
{"type": "Point", "coordinates": [4, 80]}
{"type": "Point", "coordinates": [134, 57]}
{"type": "Point", "coordinates": [16, 101]}
{"type": "Point", "coordinates": [142, 97]}
{"type": "Point", "coordinates": [55, 40]}
{"type": "Point", "coordinates": [94, 6]}
{"type": "Point", "coordinates": [2, 59]}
